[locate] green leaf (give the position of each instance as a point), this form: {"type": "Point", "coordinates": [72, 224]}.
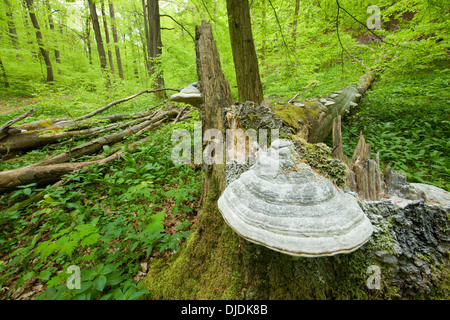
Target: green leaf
{"type": "Point", "coordinates": [156, 222]}
{"type": "Point", "coordinates": [99, 283]}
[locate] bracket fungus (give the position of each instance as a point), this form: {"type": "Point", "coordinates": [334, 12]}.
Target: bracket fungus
{"type": "Point", "coordinates": [190, 95]}
{"type": "Point", "coordinates": [285, 205]}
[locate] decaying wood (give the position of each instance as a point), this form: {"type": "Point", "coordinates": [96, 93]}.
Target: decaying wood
{"type": "Point", "coordinates": [363, 175]}
{"type": "Point", "coordinates": [109, 105]}
{"type": "Point", "coordinates": [338, 150]}
{"type": "Point", "coordinates": [97, 144]}
{"type": "Point", "coordinates": [19, 118]}
{"type": "Point", "coordinates": [52, 169]}
{"type": "Point", "coordinates": [5, 126]}
{"type": "Point", "coordinates": [44, 132]}
{"type": "Point", "coordinates": [317, 116]}
{"type": "Point", "coordinates": [10, 179]}
{"type": "Point", "coordinates": [216, 95]}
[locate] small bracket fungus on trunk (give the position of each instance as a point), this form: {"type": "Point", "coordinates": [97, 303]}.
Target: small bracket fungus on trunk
{"type": "Point", "coordinates": [190, 95]}
{"type": "Point", "coordinates": [283, 204]}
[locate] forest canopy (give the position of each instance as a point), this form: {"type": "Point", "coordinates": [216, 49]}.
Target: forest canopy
{"type": "Point", "coordinates": [296, 41]}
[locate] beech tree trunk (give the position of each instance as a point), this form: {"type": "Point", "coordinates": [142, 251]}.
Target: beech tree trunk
{"type": "Point", "coordinates": [5, 77]}
{"type": "Point", "coordinates": [155, 44]}
{"type": "Point", "coordinates": [295, 22]}
{"type": "Point", "coordinates": [98, 34]}
{"type": "Point", "coordinates": [244, 53]}
{"type": "Point", "coordinates": [52, 27]}
{"type": "Point", "coordinates": [105, 26]}
{"type": "Point", "coordinates": [11, 25]}
{"type": "Point", "coordinates": [116, 40]}
{"type": "Point", "coordinates": [146, 44]}
{"type": "Point", "coordinates": [40, 41]}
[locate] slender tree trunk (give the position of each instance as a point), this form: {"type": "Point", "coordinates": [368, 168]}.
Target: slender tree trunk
{"type": "Point", "coordinates": [116, 39]}
{"type": "Point", "coordinates": [40, 41]}
{"type": "Point", "coordinates": [155, 43]}
{"type": "Point", "coordinates": [87, 38]}
{"type": "Point", "coordinates": [52, 28]}
{"type": "Point", "coordinates": [98, 34]}
{"type": "Point", "coordinates": [105, 26]}
{"type": "Point", "coordinates": [11, 25]}
{"type": "Point", "coordinates": [5, 77]}
{"type": "Point", "coordinates": [295, 22]}
{"type": "Point", "coordinates": [244, 53]}
{"type": "Point", "coordinates": [147, 37]}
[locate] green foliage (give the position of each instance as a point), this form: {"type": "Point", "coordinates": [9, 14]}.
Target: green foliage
{"type": "Point", "coordinates": [104, 219]}
{"type": "Point", "coordinates": [405, 118]}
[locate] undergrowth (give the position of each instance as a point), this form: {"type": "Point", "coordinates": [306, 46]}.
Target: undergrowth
{"type": "Point", "coordinates": [107, 220]}
{"type": "Point", "coordinates": [406, 120]}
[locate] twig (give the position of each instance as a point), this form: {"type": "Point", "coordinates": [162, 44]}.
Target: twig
{"type": "Point", "coordinates": [178, 116]}
{"type": "Point", "coordinates": [365, 26]}
{"type": "Point", "coordinates": [166, 15]}
{"type": "Point", "coordinates": [109, 105]}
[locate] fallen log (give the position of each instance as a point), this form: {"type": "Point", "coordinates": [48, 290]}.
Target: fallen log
{"type": "Point", "coordinates": [47, 174]}
{"type": "Point", "coordinates": [5, 126]}
{"type": "Point", "coordinates": [109, 105]}
{"type": "Point", "coordinates": [40, 133]}
{"type": "Point", "coordinates": [51, 170]}
{"type": "Point", "coordinates": [312, 120]}
{"type": "Point", "coordinates": [97, 144]}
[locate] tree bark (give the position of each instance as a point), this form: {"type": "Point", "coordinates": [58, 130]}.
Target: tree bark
{"type": "Point", "coordinates": [155, 44]}
{"type": "Point", "coordinates": [11, 25]}
{"type": "Point", "coordinates": [105, 26]}
{"type": "Point", "coordinates": [5, 77]}
{"type": "Point", "coordinates": [295, 22]}
{"type": "Point", "coordinates": [98, 34]}
{"type": "Point", "coordinates": [40, 41]}
{"type": "Point", "coordinates": [87, 37]}
{"type": "Point", "coordinates": [244, 53]}
{"type": "Point", "coordinates": [146, 45]}
{"type": "Point", "coordinates": [116, 40]}
{"type": "Point", "coordinates": [52, 27]}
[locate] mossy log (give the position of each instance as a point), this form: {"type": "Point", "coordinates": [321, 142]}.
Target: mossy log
{"type": "Point", "coordinates": [215, 263]}
{"type": "Point", "coordinates": [52, 169]}
{"type": "Point", "coordinates": [313, 120]}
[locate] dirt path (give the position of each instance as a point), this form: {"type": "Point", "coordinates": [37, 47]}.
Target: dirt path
{"type": "Point", "coordinates": [8, 104]}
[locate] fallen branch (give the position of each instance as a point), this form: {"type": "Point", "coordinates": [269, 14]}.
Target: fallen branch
{"type": "Point", "coordinates": [4, 127]}
{"type": "Point", "coordinates": [51, 170]}
{"type": "Point", "coordinates": [109, 105]}
{"type": "Point", "coordinates": [95, 145]}
{"type": "Point", "coordinates": [42, 175]}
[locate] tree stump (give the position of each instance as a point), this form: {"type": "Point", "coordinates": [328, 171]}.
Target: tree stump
{"type": "Point", "coordinates": [215, 263]}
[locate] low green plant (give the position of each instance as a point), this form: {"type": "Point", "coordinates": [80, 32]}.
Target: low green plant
{"type": "Point", "coordinates": [104, 219]}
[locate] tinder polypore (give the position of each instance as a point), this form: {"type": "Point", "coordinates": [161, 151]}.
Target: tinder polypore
{"type": "Point", "coordinates": [285, 205]}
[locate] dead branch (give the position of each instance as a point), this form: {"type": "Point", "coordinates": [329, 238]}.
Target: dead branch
{"type": "Point", "coordinates": [109, 105]}
{"type": "Point", "coordinates": [4, 127]}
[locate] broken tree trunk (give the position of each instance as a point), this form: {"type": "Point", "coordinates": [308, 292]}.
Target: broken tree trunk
{"type": "Point", "coordinates": [6, 126]}
{"type": "Point", "coordinates": [364, 175]}
{"type": "Point", "coordinates": [313, 120]}
{"type": "Point", "coordinates": [215, 263]}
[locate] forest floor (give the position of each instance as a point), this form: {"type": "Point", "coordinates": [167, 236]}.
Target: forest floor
{"type": "Point", "coordinates": [12, 103]}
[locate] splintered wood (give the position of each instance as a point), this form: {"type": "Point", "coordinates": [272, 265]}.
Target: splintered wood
{"type": "Point", "coordinates": [363, 175]}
